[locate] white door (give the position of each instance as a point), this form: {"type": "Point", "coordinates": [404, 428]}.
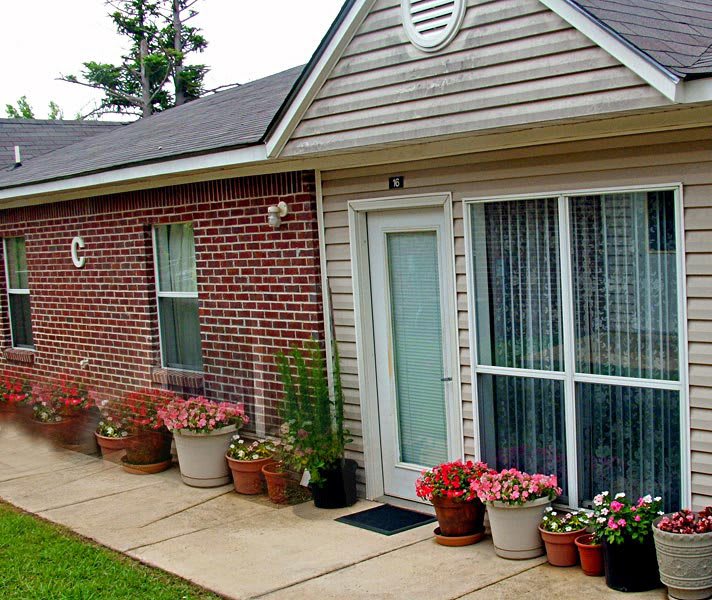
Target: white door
{"type": "Point", "coordinates": [415, 336]}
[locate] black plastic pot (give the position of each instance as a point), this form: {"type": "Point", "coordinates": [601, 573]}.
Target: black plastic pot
{"type": "Point", "coordinates": [631, 566]}
{"type": "Point", "coordinates": [338, 489]}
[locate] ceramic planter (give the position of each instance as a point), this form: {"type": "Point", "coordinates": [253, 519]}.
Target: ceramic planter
{"type": "Point", "coordinates": [339, 487]}
{"type": "Point", "coordinates": [591, 555]}
{"type": "Point", "coordinates": [459, 519]}
{"type": "Point", "coordinates": [112, 448]}
{"type": "Point", "coordinates": [515, 528]}
{"type": "Point", "coordinates": [148, 448]}
{"type": "Point", "coordinates": [201, 456]}
{"type": "Point", "coordinates": [247, 474]}
{"type": "Point", "coordinates": [685, 561]}
{"type": "Point", "coordinates": [561, 547]}
{"type": "Point", "coordinates": [277, 481]}
{"type": "Point", "coordinates": [631, 566]}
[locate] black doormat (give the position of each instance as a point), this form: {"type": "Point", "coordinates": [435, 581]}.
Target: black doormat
{"type": "Point", "coordinates": [387, 519]}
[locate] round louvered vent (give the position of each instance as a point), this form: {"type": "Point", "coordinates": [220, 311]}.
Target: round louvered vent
{"type": "Point", "coordinates": [432, 24]}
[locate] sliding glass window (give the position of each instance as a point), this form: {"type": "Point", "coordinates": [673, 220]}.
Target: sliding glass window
{"type": "Point", "coordinates": [576, 302]}
{"type": "Point", "coordinates": [177, 291]}
{"type": "Point", "coordinates": [18, 293]}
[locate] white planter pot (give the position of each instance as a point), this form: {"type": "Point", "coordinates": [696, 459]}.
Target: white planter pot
{"type": "Point", "coordinates": [201, 456]}
{"type": "Point", "coordinates": [515, 529]}
{"type": "Point", "coordinates": [685, 562]}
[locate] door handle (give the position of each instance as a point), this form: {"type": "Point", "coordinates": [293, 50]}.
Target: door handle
{"type": "Point", "coordinates": [446, 379]}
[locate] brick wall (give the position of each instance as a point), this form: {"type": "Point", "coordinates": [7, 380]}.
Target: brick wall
{"type": "Point", "coordinates": [259, 288]}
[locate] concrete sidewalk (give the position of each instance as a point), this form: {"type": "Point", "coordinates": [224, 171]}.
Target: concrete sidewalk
{"type": "Point", "coordinates": [245, 547]}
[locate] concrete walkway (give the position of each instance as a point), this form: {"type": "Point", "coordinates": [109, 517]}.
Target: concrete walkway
{"type": "Point", "coordinates": [245, 547]}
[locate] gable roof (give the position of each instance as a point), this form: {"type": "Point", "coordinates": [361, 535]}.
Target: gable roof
{"type": "Point", "coordinates": [235, 118]}
{"type": "Point", "coordinates": [40, 136]}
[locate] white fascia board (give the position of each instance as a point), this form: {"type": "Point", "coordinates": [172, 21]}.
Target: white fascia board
{"type": "Point", "coordinates": [657, 76]}
{"type": "Point", "coordinates": [320, 72]}
{"type": "Point", "coordinates": [229, 158]}
{"type": "Point", "coordinates": [696, 90]}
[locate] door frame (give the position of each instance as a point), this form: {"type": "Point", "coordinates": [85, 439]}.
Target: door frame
{"type": "Point", "coordinates": [363, 316]}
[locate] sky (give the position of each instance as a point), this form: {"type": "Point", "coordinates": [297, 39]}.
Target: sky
{"type": "Point", "coordinates": [247, 40]}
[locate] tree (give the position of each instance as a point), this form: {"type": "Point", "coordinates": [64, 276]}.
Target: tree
{"type": "Point", "coordinates": [159, 41]}
{"type": "Point", "coordinates": [24, 110]}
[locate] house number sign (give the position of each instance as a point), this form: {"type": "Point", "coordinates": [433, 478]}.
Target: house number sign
{"type": "Point", "coordinates": [77, 245]}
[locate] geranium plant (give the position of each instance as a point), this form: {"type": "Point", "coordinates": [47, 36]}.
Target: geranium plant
{"type": "Point", "coordinates": [618, 518]}
{"type": "Point", "coordinates": [564, 522]}
{"type": "Point", "coordinates": [201, 415]}
{"type": "Point", "coordinates": [65, 397]}
{"type": "Point", "coordinates": [241, 449]}
{"type": "Point", "coordinates": [515, 487]}
{"type": "Point", "coordinates": [13, 389]}
{"type": "Point", "coordinates": [139, 409]}
{"type": "Point", "coordinates": [687, 522]}
{"type": "Point", "coordinates": [451, 480]}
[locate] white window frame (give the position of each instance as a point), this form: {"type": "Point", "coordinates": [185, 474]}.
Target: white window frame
{"type": "Point", "coordinates": [160, 294]}
{"type": "Point", "coordinates": [14, 292]}
{"type": "Point", "coordinates": [569, 375]}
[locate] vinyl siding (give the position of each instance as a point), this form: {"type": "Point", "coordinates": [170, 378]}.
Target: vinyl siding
{"type": "Point", "coordinates": [514, 62]}
{"type": "Point", "coordinates": [664, 158]}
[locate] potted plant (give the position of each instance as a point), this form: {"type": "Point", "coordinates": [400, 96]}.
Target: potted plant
{"type": "Point", "coordinates": [590, 554]}
{"type": "Point", "coordinates": [246, 460]}
{"type": "Point", "coordinates": [14, 390]}
{"type": "Point", "coordinates": [626, 530]}
{"type": "Point", "coordinates": [459, 511]}
{"type": "Point", "coordinates": [559, 531]}
{"type": "Point", "coordinates": [313, 435]}
{"type": "Point", "coordinates": [112, 431]}
{"type": "Point", "coordinates": [148, 445]}
{"type": "Point", "coordinates": [202, 430]}
{"type": "Point", "coordinates": [683, 542]}
{"type": "Point", "coordinates": [516, 502]}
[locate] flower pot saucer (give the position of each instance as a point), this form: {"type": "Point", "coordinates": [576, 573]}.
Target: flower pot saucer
{"type": "Point", "coordinates": [145, 469]}
{"type": "Point", "coordinates": [457, 540]}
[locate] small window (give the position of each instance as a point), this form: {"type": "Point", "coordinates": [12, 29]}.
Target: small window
{"type": "Point", "coordinates": [177, 292]}
{"type": "Point", "coordinates": [18, 293]}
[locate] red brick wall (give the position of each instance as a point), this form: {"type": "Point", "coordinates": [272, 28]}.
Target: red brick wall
{"type": "Point", "coordinates": [259, 288]}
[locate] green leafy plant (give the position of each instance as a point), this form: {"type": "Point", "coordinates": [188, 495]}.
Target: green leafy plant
{"type": "Point", "coordinates": [313, 436]}
{"type": "Point", "coordinates": [240, 449]}
{"type": "Point", "coordinates": [619, 519]}
{"type": "Point", "coordinates": [564, 522]}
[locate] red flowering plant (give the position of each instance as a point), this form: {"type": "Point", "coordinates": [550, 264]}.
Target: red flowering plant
{"type": "Point", "coordinates": [201, 415]}
{"type": "Point", "coordinates": [13, 389]}
{"type": "Point", "coordinates": [687, 522]}
{"type": "Point", "coordinates": [139, 409]}
{"type": "Point", "coordinates": [515, 487]}
{"type": "Point", "coordinates": [65, 397]}
{"type": "Point", "coordinates": [451, 480]}
{"type": "Point", "coordinates": [618, 519]}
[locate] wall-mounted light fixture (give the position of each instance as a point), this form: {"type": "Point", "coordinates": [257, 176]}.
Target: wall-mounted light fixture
{"type": "Point", "coordinates": [276, 213]}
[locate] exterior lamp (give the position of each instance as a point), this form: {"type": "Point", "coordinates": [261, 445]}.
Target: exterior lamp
{"type": "Point", "coordinates": [276, 213]}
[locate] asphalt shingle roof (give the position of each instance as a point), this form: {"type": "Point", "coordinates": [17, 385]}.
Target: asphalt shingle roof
{"type": "Point", "coordinates": [230, 119]}
{"type": "Point", "coordinates": [677, 34]}
{"type": "Point", "coordinates": [39, 136]}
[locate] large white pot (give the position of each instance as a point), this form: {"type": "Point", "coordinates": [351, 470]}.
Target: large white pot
{"type": "Point", "coordinates": [685, 562]}
{"type": "Point", "coordinates": [515, 528]}
{"type": "Point", "coordinates": [201, 456]}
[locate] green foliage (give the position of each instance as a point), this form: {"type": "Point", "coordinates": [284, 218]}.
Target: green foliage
{"type": "Point", "coordinates": [55, 113]}
{"type": "Point", "coordinates": [40, 561]}
{"type": "Point", "coordinates": [313, 433]}
{"type": "Point", "coordinates": [23, 110]}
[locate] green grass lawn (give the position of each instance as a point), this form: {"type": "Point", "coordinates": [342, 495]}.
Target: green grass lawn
{"type": "Point", "coordinates": [41, 561]}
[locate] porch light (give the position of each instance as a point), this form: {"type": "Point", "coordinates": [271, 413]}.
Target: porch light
{"type": "Point", "coordinates": [276, 213]}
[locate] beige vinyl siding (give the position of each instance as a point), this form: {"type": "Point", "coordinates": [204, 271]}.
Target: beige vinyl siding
{"type": "Point", "coordinates": [514, 62]}
{"type": "Point", "coordinates": [650, 159]}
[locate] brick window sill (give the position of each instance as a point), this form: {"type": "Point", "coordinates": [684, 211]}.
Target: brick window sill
{"type": "Point", "coordinates": [19, 355]}
{"type": "Point", "coordinates": [178, 378]}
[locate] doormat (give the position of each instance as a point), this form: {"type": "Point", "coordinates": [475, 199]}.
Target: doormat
{"type": "Point", "coordinates": [387, 519]}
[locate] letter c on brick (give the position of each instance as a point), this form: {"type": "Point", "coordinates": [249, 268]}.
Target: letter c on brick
{"type": "Point", "coordinates": [78, 244]}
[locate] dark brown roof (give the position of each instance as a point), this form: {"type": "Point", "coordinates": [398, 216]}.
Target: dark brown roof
{"type": "Point", "coordinates": [39, 136]}
{"type": "Point", "coordinates": [676, 34]}
{"type": "Point", "coordinates": [233, 118]}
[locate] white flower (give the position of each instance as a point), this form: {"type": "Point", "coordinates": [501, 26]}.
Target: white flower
{"type": "Point", "coordinates": [553, 514]}
{"type": "Point", "coordinates": [620, 495]}
{"type": "Point", "coordinates": [255, 456]}
{"type": "Point", "coordinates": [568, 528]}
{"type": "Point", "coordinates": [549, 509]}
{"type": "Point", "coordinates": [658, 498]}
{"type": "Point", "coordinates": [660, 512]}
{"type": "Point", "coordinates": [647, 499]}
{"type": "Point", "coordinates": [604, 493]}
{"type": "Point", "coordinates": [600, 520]}
{"type": "Point", "coordinates": [604, 511]}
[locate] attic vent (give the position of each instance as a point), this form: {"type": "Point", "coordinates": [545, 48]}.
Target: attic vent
{"type": "Point", "coordinates": [432, 24]}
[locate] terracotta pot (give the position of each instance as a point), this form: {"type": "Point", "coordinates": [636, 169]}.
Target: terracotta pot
{"type": "Point", "coordinates": [459, 518]}
{"type": "Point", "coordinates": [247, 474]}
{"type": "Point", "coordinates": [591, 555]}
{"type": "Point", "coordinates": [112, 448]}
{"type": "Point", "coordinates": [561, 547]}
{"type": "Point", "coordinates": [7, 407]}
{"type": "Point", "coordinates": [78, 432]}
{"type": "Point", "coordinates": [50, 430]}
{"type": "Point", "coordinates": [515, 528]}
{"type": "Point", "coordinates": [631, 566]}
{"type": "Point", "coordinates": [201, 456]}
{"type": "Point", "coordinates": [685, 561]}
{"type": "Point", "coordinates": [148, 447]}
{"type": "Point", "coordinates": [277, 481]}
{"type": "Point", "coordinates": [147, 469]}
